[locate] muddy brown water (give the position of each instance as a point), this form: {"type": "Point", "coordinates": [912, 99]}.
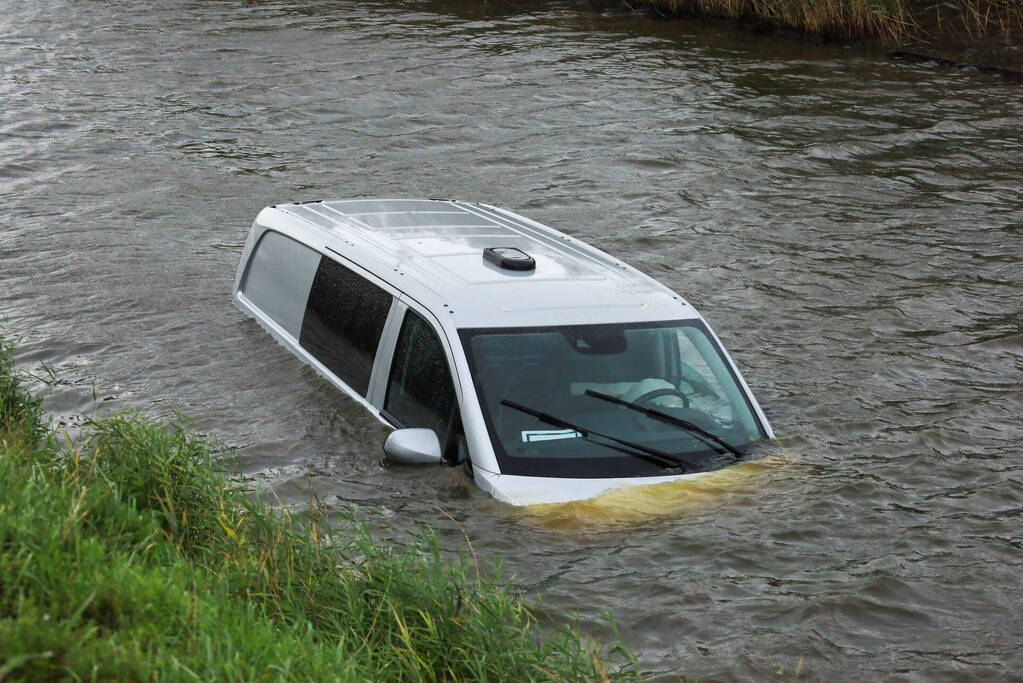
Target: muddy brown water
{"type": "Point", "coordinates": [852, 227]}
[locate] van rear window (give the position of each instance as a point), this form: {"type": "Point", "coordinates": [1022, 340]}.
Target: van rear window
{"type": "Point", "coordinates": [344, 318]}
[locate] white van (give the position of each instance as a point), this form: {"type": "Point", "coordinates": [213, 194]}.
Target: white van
{"type": "Point", "coordinates": [548, 369]}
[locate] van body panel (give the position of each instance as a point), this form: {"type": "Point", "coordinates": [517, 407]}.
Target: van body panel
{"type": "Point", "coordinates": [518, 490]}
{"type": "Point", "coordinates": [428, 255]}
{"type": "Point", "coordinates": [385, 352]}
{"type": "Point", "coordinates": [442, 264]}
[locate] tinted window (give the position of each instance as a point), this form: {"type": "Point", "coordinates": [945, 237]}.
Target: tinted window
{"type": "Point", "coordinates": [419, 391]}
{"type": "Point", "coordinates": [343, 321]}
{"type": "Point", "coordinates": [576, 373]}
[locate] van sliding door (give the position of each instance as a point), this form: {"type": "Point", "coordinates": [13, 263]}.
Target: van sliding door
{"type": "Point", "coordinates": [343, 320]}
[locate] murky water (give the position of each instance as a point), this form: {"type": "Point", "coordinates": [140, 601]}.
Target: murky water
{"type": "Point", "coordinates": [852, 227]}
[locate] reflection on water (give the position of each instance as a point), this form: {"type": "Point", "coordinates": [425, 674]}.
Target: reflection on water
{"type": "Point", "coordinates": [852, 228]}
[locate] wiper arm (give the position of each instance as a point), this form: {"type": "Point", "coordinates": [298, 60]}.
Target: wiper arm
{"type": "Point", "coordinates": [637, 450]}
{"type": "Point", "coordinates": [712, 439]}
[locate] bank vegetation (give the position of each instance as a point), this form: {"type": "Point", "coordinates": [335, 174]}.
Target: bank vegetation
{"type": "Point", "coordinates": [978, 26]}
{"type": "Point", "coordinates": [127, 555]}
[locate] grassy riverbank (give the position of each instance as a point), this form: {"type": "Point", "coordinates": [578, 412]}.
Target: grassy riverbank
{"type": "Point", "coordinates": [989, 31]}
{"type": "Point", "coordinates": [128, 556]}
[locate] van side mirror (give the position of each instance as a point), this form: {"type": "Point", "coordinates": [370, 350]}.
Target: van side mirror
{"type": "Point", "coordinates": [415, 446]}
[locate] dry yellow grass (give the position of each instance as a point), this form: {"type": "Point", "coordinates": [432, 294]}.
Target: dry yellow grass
{"type": "Point", "coordinates": [833, 18]}
{"type": "Point", "coordinates": [890, 20]}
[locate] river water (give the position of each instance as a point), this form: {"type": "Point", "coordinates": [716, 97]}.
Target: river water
{"type": "Point", "coordinates": [852, 227]}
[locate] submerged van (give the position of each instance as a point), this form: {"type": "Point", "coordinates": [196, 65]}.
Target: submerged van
{"type": "Point", "coordinates": [547, 369]}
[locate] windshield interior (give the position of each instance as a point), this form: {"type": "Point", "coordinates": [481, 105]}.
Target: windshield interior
{"type": "Point", "coordinates": [562, 373]}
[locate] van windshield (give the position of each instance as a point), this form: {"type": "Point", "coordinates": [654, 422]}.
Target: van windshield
{"type": "Point", "coordinates": [529, 380]}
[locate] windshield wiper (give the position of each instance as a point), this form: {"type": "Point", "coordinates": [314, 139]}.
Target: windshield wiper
{"type": "Point", "coordinates": [637, 450]}
{"type": "Point", "coordinates": [713, 440]}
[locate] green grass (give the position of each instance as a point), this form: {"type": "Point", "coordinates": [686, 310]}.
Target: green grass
{"type": "Point", "coordinates": [128, 555]}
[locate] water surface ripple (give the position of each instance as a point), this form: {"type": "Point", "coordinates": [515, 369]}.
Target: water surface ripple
{"type": "Point", "coordinates": [853, 228]}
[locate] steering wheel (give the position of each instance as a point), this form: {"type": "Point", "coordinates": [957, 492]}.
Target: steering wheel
{"type": "Point", "coordinates": [663, 391]}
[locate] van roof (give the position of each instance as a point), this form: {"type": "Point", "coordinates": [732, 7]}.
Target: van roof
{"type": "Point", "coordinates": [433, 251]}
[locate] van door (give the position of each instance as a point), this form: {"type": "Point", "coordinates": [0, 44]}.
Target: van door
{"type": "Point", "coordinates": [343, 321]}
{"type": "Point", "coordinates": [420, 392]}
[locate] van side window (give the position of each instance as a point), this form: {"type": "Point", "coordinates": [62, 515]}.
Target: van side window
{"type": "Point", "coordinates": [278, 277]}
{"type": "Point", "coordinates": [419, 391]}
{"type": "Point", "coordinates": [343, 321]}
